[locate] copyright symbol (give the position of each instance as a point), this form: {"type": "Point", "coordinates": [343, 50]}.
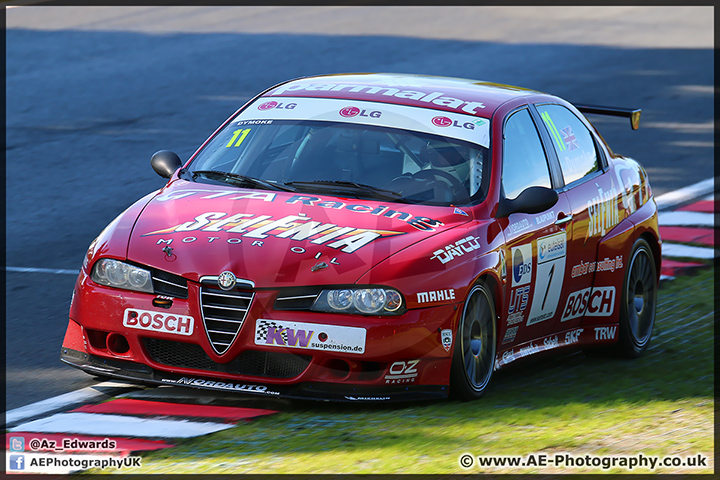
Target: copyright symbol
{"type": "Point", "coordinates": [466, 460]}
{"type": "Point", "coordinates": [34, 444]}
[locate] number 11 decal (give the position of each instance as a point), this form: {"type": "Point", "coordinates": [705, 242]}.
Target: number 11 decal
{"type": "Point", "coordinates": [235, 136]}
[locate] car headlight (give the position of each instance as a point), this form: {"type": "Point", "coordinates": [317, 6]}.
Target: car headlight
{"type": "Point", "coordinates": [114, 273]}
{"type": "Point", "coordinates": [366, 301]}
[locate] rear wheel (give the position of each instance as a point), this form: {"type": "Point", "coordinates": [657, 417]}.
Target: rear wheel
{"type": "Point", "coordinates": [474, 354]}
{"type": "Point", "coordinates": [638, 301]}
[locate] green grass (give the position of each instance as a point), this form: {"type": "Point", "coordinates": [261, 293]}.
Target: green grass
{"type": "Point", "coordinates": [661, 404]}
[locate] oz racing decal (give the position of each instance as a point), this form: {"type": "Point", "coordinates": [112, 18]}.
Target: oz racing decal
{"type": "Point", "coordinates": [158, 321]}
{"type": "Point", "coordinates": [549, 277]}
{"type": "Point", "coordinates": [402, 372]}
{"type": "Point", "coordinates": [310, 336]}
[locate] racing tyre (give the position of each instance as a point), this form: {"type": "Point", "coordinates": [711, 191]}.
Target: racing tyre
{"type": "Point", "coordinates": [638, 301]}
{"type": "Point", "coordinates": [474, 354]}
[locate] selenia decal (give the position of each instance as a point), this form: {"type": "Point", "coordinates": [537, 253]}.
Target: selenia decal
{"type": "Point", "coordinates": [293, 227]}
{"type": "Point", "coordinates": [549, 277]}
{"type": "Point", "coordinates": [603, 212]}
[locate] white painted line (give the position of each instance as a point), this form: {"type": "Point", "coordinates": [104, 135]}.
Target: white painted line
{"type": "Point", "coordinates": [666, 277]}
{"type": "Point", "coordinates": [677, 197]}
{"type": "Point", "coordinates": [42, 270]}
{"type": "Point", "coordinates": [119, 425]}
{"type": "Point", "coordinates": [698, 219]}
{"type": "Point", "coordinates": [101, 391]}
{"type": "Point", "coordinates": [677, 250]}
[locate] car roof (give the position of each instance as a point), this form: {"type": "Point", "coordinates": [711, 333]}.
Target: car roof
{"type": "Point", "coordinates": [457, 95]}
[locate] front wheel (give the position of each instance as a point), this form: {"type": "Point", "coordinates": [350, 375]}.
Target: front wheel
{"type": "Point", "coordinates": [474, 354]}
{"type": "Point", "coordinates": [638, 301]}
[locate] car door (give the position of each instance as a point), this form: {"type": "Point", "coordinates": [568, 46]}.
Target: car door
{"type": "Point", "coordinates": [593, 196]}
{"type": "Point", "coordinates": [535, 243]}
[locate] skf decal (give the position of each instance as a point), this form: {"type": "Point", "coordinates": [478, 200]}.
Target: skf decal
{"type": "Point", "coordinates": [158, 321]}
{"type": "Point", "coordinates": [603, 212]}
{"type": "Point", "coordinates": [605, 333]}
{"type": "Point", "coordinates": [573, 336]}
{"type": "Point", "coordinates": [294, 227]}
{"type": "Point", "coordinates": [592, 302]}
{"type": "Point", "coordinates": [402, 372]}
{"type": "Point", "coordinates": [457, 249]}
{"type": "Point", "coordinates": [310, 336]}
{"type": "Point", "coordinates": [436, 296]}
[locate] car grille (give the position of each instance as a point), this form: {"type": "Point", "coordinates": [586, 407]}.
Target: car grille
{"type": "Point", "coordinates": [165, 283]}
{"type": "Point", "coordinates": [224, 312]}
{"type": "Point", "coordinates": [250, 362]}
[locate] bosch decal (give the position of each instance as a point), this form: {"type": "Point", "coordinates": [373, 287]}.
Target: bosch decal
{"type": "Point", "coordinates": [158, 321]}
{"type": "Point", "coordinates": [592, 302]}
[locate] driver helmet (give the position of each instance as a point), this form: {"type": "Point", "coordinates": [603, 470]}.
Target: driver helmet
{"type": "Point", "coordinates": [448, 157]}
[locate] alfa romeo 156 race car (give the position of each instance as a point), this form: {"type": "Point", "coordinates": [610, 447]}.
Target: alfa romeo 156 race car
{"type": "Point", "coordinates": [374, 237]}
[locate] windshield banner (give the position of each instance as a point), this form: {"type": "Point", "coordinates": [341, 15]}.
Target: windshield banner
{"type": "Point", "coordinates": [454, 125]}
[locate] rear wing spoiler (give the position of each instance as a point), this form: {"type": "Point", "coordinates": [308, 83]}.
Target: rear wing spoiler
{"type": "Point", "coordinates": [632, 113]}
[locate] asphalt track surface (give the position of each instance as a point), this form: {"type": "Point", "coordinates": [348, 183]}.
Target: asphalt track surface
{"type": "Point", "coordinates": [93, 92]}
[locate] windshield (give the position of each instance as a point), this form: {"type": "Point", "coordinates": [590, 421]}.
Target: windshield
{"type": "Point", "coordinates": [347, 159]}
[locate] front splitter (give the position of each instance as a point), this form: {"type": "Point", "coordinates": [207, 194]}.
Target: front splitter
{"type": "Point", "coordinates": [319, 391]}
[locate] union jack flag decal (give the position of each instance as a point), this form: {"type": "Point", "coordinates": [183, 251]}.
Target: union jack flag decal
{"type": "Point", "coordinates": [569, 138]}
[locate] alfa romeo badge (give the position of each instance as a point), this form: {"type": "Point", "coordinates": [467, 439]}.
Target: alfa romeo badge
{"type": "Point", "coordinates": [227, 280]}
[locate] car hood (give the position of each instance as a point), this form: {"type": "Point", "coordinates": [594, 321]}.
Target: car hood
{"type": "Point", "coordinates": [277, 239]}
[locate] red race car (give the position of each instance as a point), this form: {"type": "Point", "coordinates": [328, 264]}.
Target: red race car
{"type": "Point", "coordinates": [374, 237]}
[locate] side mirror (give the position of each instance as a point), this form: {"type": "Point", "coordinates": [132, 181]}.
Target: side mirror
{"type": "Point", "coordinates": [531, 200]}
{"type": "Point", "coordinates": [165, 163]}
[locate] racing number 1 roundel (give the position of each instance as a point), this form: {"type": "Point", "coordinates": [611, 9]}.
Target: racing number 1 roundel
{"type": "Point", "coordinates": [551, 253]}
